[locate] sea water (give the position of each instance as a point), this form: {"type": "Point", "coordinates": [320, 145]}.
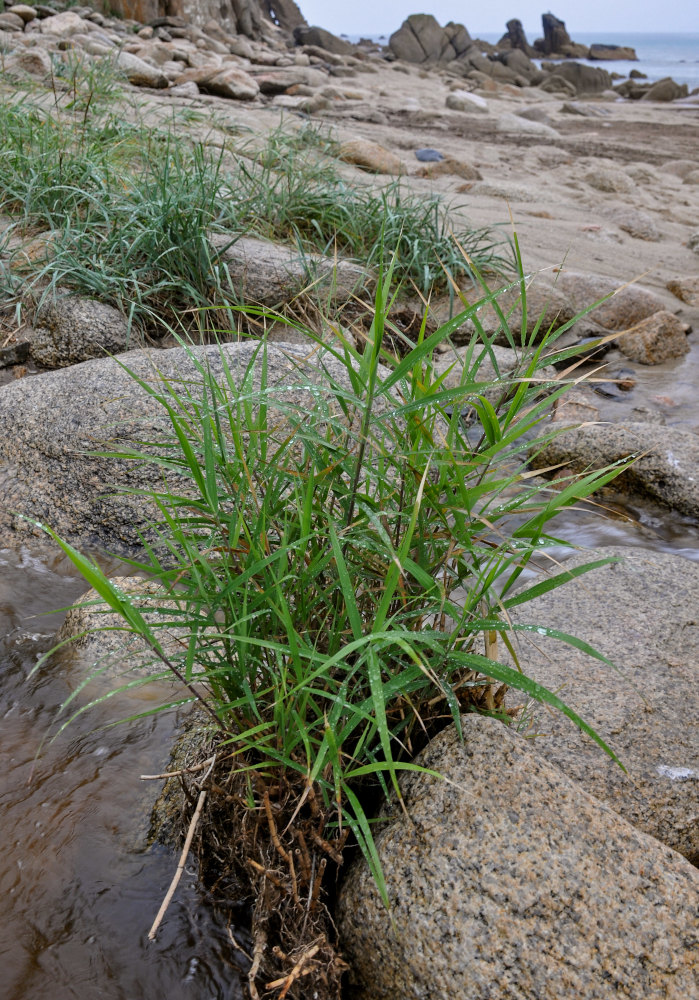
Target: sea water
{"type": "Point", "coordinates": [659, 55]}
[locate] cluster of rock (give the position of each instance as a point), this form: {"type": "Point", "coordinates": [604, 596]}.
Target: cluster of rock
{"type": "Point", "coordinates": [421, 39]}
{"type": "Point", "coordinates": [251, 59]}
{"type": "Point", "coordinates": [248, 50]}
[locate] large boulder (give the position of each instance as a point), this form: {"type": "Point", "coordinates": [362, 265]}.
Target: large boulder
{"type": "Point", "coordinates": [421, 39]}
{"type": "Point", "coordinates": [664, 469]}
{"type": "Point", "coordinates": [665, 90]}
{"type": "Point", "coordinates": [507, 880]}
{"type": "Point", "coordinates": [270, 274]}
{"type": "Point", "coordinates": [585, 79]}
{"type": "Point", "coordinates": [53, 424]}
{"type": "Point", "coordinates": [625, 305]}
{"type": "Point", "coordinates": [640, 614]}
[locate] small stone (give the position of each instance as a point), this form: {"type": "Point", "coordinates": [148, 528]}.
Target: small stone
{"type": "Point", "coordinates": [429, 155]}
{"type": "Point", "coordinates": [464, 100]}
{"type": "Point", "coordinates": [370, 156]}
{"type": "Point", "coordinates": [14, 354]}
{"type": "Point", "coordinates": [654, 340]}
{"type": "Point", "coordinates": [685, 289]}
{"type": "Point", "coordinates": [450, 167]}
{"type": "Point", "coordinates": [22, 10]}
{"type": "Point", "coordinates": [637, 224]}
{"type": "Point", "coordinates": [610, 181]}
{"type": "Point", "coordinates": [524, 126]}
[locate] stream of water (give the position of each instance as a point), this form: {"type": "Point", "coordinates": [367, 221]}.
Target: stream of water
{"type": "Point", "coordinates": [79, 885]}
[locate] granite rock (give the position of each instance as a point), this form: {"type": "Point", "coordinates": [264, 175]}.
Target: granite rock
{"type": "Point", "coordinates": [55, 424]}
{"type": "Point", "coordinates": [665, 470]}
{"type": "Point", "coordinates": [685, 289]}
{"type": "Point", "coordinates": [624, 306]}
{"type": "Point", "coordinates": [72, 329]}
{"type": "Point", "coordinates": [270, 274]}
{"type": "Point", "coordinates": [509, 880]}
{"type": "Point", "coordinates": [640, 613]}
{"type": "Point", "coordinates": [654, 340]}
{"type": "Point", "coordinates": [371, 156]}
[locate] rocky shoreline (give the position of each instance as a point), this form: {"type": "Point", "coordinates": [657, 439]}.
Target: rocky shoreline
{"type": "Point", "coordinates": [602, 181]}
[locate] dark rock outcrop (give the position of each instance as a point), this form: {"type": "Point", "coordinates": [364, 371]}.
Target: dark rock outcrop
{"type": "Point", "coordinates": [603, 51]}
{"type": "Point", "coordinates": [515, 38]}
{"type": "Point", "coordinates": [557, 41]}
{"type": "Point", "coordinates": [285, 13]}
{"type": "Point", "coordinates": [321, 39]}
{"type": "Point", "coordinates": [421, 39]}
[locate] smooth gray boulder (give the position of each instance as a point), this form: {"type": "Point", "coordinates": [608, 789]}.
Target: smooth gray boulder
{"type": "Point", "coordinates": [53, 424]}
{"type": "Point", "coordinates": [509, 881]}
{"type": "Point", "coordinates": [641, 614]}
{"type": "Point", "coordinates": [665, 469]}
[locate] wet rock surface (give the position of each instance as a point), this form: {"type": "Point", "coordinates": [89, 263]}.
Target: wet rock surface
{"type": "Point", "coordinates": [664, 466]}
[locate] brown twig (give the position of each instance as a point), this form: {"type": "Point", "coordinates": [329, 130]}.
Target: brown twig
{"type": "Point", "coordinates": [180, 867]}
{"type": "Point", "coordinates": [176, 774]}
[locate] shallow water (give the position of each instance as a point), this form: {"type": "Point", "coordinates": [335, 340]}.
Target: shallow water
{"type": "Point", "coordinates": [79, 884]}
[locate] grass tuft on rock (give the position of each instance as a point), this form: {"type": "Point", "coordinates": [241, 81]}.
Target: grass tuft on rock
{"type": "Point", "coordinates": [342, 575]}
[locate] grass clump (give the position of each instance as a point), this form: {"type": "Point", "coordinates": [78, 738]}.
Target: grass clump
{"type": "Point", "coordinates": [342, 571]}
{"type": "Point", "coordinates": [131, 212]}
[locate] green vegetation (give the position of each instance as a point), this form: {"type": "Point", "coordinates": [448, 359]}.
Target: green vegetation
{"type": "Point", "coordinates": [339, 551]}
{"type": "Point", "coordinates": [129, 210]}
{"type": "Point", "coordinates": [343, 571]}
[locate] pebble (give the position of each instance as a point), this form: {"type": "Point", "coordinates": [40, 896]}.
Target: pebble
{"type": "Point", "coordinates": [428, 155]}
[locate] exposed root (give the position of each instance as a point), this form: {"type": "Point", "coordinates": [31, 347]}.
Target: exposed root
{"type": "Point", "coordinates": [264, 838]}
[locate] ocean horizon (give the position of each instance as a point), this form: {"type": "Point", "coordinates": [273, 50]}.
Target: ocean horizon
{"type": "Point", "coordinates": [660, 54]}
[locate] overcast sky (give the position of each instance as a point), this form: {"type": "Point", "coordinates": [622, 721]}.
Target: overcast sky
{"type": "Point", "coordinates": [354, 17]}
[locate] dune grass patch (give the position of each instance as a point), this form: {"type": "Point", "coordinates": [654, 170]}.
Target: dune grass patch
{"type": "Point", "coordinates": [128, 213]}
